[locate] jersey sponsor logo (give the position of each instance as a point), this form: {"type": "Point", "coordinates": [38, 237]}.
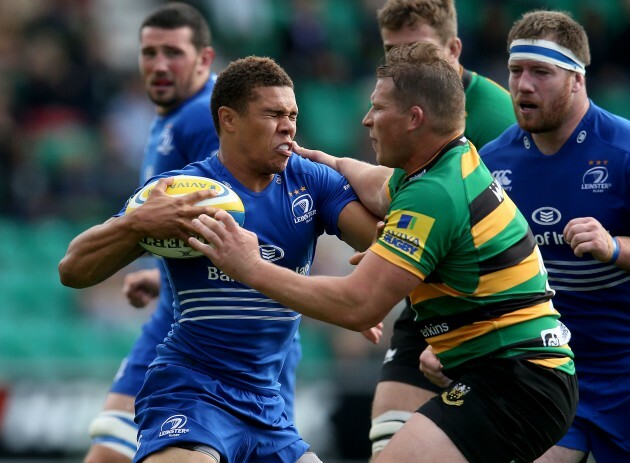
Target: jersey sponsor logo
{"type": "Point", "coordinates": [546, 215]}
{"type": "Point", "coordinates": [594, 179]}
{"type": "Point", "coordinates": [271, 252]}
{"type": "Point", "coordinates": [302, 208]}
{"type": "Point", "coordinates": [455, 394]}
{"type": "Point", "coordinates": [407, 232]}
{"type": "Point", "coordinates": [549, 237]}
{"type": "Point", "coordinates": [496, 189]}
{"type": "Point", "coordinates": [174, 426]}
{"type": "Point", "coordinates": [503, 177]}
{"type": "Point", "coordinates": [165, 141]}
{"type": "Point", "coordinates": [429, 331]}
{"type": "Point", "coordinates": [268, 252]}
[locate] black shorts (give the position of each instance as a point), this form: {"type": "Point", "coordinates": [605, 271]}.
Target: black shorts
{"type": "Point", "coordinates": [402, 362]}
{"type": "Point", "coordinates": [504, 410]}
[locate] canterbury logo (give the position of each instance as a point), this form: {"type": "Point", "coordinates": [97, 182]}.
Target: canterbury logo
{"type": "Point", "coordinates": [502, 176]}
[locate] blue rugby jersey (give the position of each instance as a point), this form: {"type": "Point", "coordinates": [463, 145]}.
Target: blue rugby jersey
{"type": "Point", "coordinates": [588, 177]}
{"type": "Point", "coordinates": [226, 329]}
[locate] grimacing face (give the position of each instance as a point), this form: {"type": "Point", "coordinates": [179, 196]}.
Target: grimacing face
{"type": "Point", "coordinates": [266, 131]}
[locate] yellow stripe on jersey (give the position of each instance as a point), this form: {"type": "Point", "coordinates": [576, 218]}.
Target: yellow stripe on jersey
{"type": "Point", "coordinates": [452, 339]}
{"type": "Point", "coordinates": [508, 278]}
{"type": "Point", "coordinates": [470, 161]}
{"type": "Point", "coordinates": [491, 225]}
{"type": "Point", "coordinates": [383, 251]}
{"type": "Point", "coordinates": [425, 292]}
{"type": "Point", "coordinates": [553, 362]}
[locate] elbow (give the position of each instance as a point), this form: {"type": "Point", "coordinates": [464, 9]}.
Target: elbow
{"type": "Point", "coordinates": [69, 277]}
{"type": "Point", "coordinates": [361, 321]}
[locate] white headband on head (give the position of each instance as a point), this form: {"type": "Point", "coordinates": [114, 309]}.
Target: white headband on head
{"type": "Point", "coordinates": [547, 52]}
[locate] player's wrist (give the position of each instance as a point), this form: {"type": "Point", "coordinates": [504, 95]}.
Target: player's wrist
{"type": "Point", "coordinates": [616, 250]}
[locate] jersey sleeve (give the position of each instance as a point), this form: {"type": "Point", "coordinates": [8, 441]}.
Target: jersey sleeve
{"type": "Point", "coordinates": [334, 193]}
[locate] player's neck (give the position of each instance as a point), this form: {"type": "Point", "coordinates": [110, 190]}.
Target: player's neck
{"type": "Point", "coordinates": [242, 172]}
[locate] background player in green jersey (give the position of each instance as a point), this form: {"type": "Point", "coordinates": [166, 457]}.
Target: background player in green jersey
{"type": "Point", "coordinates": [464, 254]}
{"type": "Point", "coordinates": [402, 388]}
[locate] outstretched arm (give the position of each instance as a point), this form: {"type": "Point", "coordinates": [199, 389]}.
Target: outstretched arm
{"type": "Point", "coordinates": [358, 301]}
{"type": "Point", "coordinates": [367, 180]}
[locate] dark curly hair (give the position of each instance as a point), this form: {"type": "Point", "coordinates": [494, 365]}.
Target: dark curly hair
{"type": "Point", "coordinates": [235, 85]}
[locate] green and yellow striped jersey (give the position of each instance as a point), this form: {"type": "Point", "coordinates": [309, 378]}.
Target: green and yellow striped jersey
{"type": "Point", "coordinates": [484, 289]}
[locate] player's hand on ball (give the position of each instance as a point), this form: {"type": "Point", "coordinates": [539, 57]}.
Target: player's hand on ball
{"type": "Point", "coordinates": [164, 216]}
{"type": "Point", "coordinates": [230, 247]}
{"type": "Point", "coordinates": [141, 287]}
{"type": "Point", "coordinates": [432, 368]}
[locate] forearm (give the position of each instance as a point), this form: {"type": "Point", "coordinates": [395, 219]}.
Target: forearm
{"type": "Point", "coordinates": [329, 299]}
{"type": "Point", "coordinates": [99, 252]}
{"type": "Point", "coordinates": [368, 181]}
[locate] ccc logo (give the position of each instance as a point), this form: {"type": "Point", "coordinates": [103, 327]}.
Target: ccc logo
{"type": "Point", "coordinates": [502, 176]}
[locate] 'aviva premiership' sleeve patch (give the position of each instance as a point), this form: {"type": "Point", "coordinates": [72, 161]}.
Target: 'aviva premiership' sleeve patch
{"type": "Point", "coordinates": [407, 232]}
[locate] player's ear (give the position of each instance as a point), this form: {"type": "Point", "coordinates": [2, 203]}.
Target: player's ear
{"type": "Point", "coordinates": [227, 118]}
{"type": "Point", "coordinates": [579, 82]}
{"type": "Point", "coordinates": [206, 57]}
{"type": "Point", "coordinates": [454, 49]}
{"type": "Point", "coordinates": [416, 117]}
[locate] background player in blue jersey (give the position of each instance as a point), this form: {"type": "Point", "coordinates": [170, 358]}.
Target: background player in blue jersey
{"type": "Point", "coordinates": [175, 65]}
{"type": "Point", "coordinates": [567, 167]}
{"type": "Point", "coordinates": [212, 392]}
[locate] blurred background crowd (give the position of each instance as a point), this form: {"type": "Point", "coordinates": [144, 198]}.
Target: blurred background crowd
{"type": "Point", "coordinates": [73, 121]}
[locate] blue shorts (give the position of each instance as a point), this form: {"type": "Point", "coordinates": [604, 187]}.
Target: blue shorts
{"type": "Point", "coordinates": [130, 375]}
{"type": "Point", "coordinates": [177, 405]}
{"type": "Point", "coordinates": [601, 422]}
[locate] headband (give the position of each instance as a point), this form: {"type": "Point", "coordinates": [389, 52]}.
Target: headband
{"type": "Point", "coordinates": [547, 52]}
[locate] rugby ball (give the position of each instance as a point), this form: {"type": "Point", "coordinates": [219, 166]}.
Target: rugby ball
{"type": "Point", "coordinates": [175, 248]}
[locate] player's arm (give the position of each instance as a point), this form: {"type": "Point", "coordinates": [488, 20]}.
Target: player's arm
{"type": "Point", "coordinates": [357, 225]}
{"type": "Point", "coordinates": [102, 250]}
{"type": "Point", "coordinates": [367, 180]}
{"type": "Point", "coordinates": [357, 301]}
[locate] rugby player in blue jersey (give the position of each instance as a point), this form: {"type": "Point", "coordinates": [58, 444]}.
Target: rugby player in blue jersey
{"type": "Point", "coordinates": [212, 392]}
{"type": "Point", "coordinates": [175, 64]}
